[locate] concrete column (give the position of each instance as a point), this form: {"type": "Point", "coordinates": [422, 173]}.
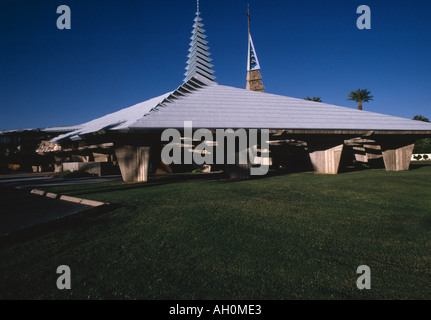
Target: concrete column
{"type": "Point", "coordinates": [238, 170]}
{"type": "Point", "coordinates": [397, 154]}
{"type": "Point", "coordinates": [326, 160]}
{"type": "Point", "coordinates": [134, 162]}
{"type": "Point", "coordinates": [58, 165]}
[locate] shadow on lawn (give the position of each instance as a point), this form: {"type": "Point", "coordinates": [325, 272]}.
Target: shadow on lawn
{"type": "Point", "coordinates": [165, 179]}
{"type": "Point", "coordinates": [415, 166]}
{"type": "Point", "coordinates": [155, 180]}
{"type": "Point", "coordinates": [74, 221]}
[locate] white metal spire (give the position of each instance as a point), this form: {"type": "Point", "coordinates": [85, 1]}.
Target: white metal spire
{"type": "Point", "coordinates": [199, 60]}
{"type": "Point", "coordinates": [253, 61]}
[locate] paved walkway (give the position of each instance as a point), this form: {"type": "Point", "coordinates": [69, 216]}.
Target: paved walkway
{"type": "Point", "coordinates": [19, 209]}
{"type": "Point", "coordinates": [38, 180]}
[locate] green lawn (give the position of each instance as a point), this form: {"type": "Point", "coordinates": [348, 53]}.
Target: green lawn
{"type": "Point", "coordinates": [297, 236]}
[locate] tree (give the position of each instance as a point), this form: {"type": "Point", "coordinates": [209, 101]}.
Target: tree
{"type": "Point", "coordinates": [421, 118]}
{"type": "Point", "coordinates": [422, 145]}
{"type": "Point", "coordinates": [315, 99]}
{"type": "Point", "coordinates": [360, 96]}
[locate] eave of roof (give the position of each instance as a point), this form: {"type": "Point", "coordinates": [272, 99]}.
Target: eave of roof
{"type": "Point", "coordinates": [53, 130]}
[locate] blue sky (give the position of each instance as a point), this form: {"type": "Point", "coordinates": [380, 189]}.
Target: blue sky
{"type": "Point", "coordinates": [119, 53]}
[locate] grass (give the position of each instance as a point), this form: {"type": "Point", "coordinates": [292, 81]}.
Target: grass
{"type": "Point", "coordinates": [297, 236]}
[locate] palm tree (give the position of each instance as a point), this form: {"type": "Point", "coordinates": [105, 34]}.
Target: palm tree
{"type": "Point", "coordinates": [315, 99]}
{"type": "Point", "coordinates": [360, 96]}
{"type": "Point", "coordinates": [421, 118]}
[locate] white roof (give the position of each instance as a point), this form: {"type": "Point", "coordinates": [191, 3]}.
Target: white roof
{"type": "Point", "coordinates": [119, 120]}
{"type": "Point", "coordinates": [210, 105]}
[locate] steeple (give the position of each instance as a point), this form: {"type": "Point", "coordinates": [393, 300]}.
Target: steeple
{"type": "Point", "coordinates": [254, 78]}
{"type": "Point", "coordinates": [199, 61]}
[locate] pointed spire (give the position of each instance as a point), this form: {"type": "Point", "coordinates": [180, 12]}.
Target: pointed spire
{"type": "Point", "coordinates": [199, 61]}
{"type": "Point", "coordinates": [253, 61]}
{"type": "Point", "coordinates": [254, 78]}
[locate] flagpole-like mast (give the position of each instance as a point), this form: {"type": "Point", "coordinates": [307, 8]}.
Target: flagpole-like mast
{"type": "Point", "coordinates": [254, 78]}
{"type": "Point", "coordinates": [248, 16]}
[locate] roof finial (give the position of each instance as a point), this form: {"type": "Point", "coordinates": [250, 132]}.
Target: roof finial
{"type": "Point", "coordinates": [197, 12]}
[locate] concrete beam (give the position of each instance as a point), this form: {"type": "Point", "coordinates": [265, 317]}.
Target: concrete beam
{"type": "Point", "coordinates": [100, 157]}
{"type": "Point", "coordinates": [326, 160]}
{"type": "Point", "coordinates": [79, 158]}
{"type": "Point", "coordinates": [373, 150]}
{"type": "Point", "coordinates": [365, 150]}
{"type": "Point", "coordinates": [134, 162]}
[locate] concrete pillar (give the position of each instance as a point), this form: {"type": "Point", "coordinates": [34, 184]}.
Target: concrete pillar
{"type": "Point", "coordinates": [58, 165]}
{"type": "Point", "coordinates": [326, 160]}
{"type": "Point", "coordinates": [238, 170]}
{"type": "Point", "coordinates": [397, 154]}
{"type": "Point", "coordinates": [134, 162]}
{"type": "Point", "coordinates": [241, 168]}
